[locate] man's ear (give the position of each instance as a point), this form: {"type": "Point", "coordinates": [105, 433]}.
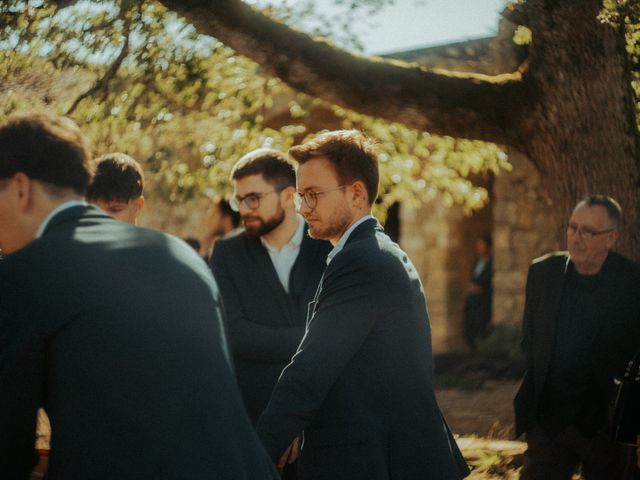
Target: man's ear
{"type": "Point", "coordinates": [139, 203]}
{"type": "Point", "coordinates": [24, 188]}
{"type": "Point", "coordinates": [360, 195]}
{"type": "Point", "coordinates": [286, 195]}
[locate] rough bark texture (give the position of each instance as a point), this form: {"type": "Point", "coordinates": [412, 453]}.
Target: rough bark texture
{"type": "Point", "coordinates": [580, 132]}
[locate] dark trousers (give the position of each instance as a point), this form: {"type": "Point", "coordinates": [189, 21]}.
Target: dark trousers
{"type": "Point", "coordinates": [559, 457]}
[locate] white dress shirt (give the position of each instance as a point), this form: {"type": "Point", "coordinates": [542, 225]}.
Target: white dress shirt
{"type": "Point", "coordinates": [284, 258]}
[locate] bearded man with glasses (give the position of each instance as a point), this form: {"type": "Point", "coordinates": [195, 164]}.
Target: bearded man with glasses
{"type": "Point", "coordinates": [267, 273]}
{"type": "Point", "coordinates": [581, 326]}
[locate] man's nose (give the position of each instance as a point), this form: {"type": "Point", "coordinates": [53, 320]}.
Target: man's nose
{"type": "Point", "coordinates": [304, 209]}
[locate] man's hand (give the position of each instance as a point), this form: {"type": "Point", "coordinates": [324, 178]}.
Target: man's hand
{"type": "Point", "coordinates": [290, 455]}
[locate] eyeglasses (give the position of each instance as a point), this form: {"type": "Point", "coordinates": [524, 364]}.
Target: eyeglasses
{"type": "Point", "coordinates": [586, 233]}
{"type": "Point", "coordinates": [251, 201]}
{"type": "Point", "coordinates": [311, 197]}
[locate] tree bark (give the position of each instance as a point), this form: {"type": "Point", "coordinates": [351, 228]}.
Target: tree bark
{"type": "Point", "coordinates": [581, 132]}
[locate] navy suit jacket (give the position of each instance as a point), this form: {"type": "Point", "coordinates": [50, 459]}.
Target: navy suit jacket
{"type": "Point", "coordinates": [117, 331]}
{"type": "Point", "coordinates": [614, 344]}
{"type": "Point", "coordinates": [360, 384]}
{"type": "Point", "coordinates": [264, 323]}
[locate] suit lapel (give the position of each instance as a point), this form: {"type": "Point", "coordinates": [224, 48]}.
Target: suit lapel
{"type": "Point", "coordinates": [552, 289]}
{"type": "Point", "coordinates": [367, 227]}
{"type": "Point", "coordinates": [267, 272]}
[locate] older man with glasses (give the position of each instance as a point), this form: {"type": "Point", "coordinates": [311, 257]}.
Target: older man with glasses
{"type": "Point", "coordinates": [581, 326]}
{"type": "Point", "coordinates": [267, 273]}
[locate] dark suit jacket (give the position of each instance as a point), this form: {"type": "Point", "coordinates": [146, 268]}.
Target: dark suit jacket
{"type": "Point", "coordinates": [117, 331]}
{"type": "Point", "coordinates": [617, 338]}
{"type": "Point", "coordinates": [360, 384]}
{"type": "Point", "coordinates": [264, 323]}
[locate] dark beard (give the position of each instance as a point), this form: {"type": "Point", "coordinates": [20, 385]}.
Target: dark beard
{"type": "Point", "coordinates": [265, 227]}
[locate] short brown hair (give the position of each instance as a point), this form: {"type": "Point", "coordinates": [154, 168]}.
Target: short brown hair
{"type": "Point", "coordinates": [45, 147]}
{"type": "Point", "coordinates": [117, 177]}
{"type": "Point", "coordinates": [273, 165]}
{"type": "Point", "coordinates": [352, 154]}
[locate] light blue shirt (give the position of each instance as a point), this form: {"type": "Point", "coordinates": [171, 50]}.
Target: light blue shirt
{"type": "Point", "coordinates": [345, 236]}
{"type": "Point", "coordinates": [54, 212]}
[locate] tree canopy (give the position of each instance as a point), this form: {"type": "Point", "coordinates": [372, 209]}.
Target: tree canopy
{"type": "Point", "coordinates": [138, 78]}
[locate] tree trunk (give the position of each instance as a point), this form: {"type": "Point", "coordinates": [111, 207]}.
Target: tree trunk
{"type": "Point", "coordinates": [581, 131]}
{"type": "Point", "coordinates": [569, 107]}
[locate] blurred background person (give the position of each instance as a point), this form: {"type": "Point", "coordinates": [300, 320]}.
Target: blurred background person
{"type": "Point", "coordinates": [117, 186]}
{"type": "Point", "coordinates": [222, 220]}
{"type": "Point", "coordinates": [477, 305]}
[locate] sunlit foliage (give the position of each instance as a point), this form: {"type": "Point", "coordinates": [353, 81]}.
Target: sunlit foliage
{"type": "Point", "coordinates": [625, 14]}
{"type": "Point", "coordinates": [139, 79]}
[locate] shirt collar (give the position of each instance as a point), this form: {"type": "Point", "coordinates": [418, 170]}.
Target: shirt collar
{"type": "Point", "coordinates": [296, 239]}
{"type": "Point", "coordinates": [345, 236]}
{"type": "Point", "coordinates": [54, 212]}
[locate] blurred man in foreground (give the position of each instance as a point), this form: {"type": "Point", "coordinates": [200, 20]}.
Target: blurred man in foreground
{"type": "Point", "coordinates": [116, 330]}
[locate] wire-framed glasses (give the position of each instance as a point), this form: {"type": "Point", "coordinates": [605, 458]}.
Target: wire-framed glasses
{"type": "Point", "coordinates": [310, 197]}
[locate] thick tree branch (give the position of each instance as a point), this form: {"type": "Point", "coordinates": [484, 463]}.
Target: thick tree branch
{"type": "Point", "coordinates": [102, 83]}
{"type": "Point", "coordinates": [444, 102]}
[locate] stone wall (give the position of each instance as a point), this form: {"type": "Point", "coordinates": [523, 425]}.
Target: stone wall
{"type": "Point", "coordinates": [440, 242]}
{"type": "Point", "coordinates": [523, 230]}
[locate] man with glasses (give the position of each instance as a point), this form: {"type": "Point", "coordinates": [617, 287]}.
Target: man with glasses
{"type": "Point", "coordinates": [267, 274]}
{"type": "Point", "coordinates": [360, 385]}
{"type": "Point", "coordinates": [581, 326]}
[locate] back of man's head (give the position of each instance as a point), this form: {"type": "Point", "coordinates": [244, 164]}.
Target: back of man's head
{"type": "Point", "coordinates": [117, 186]}
{"type": "Point", "coordinates": [352, 154]}
{"type": "Point", "coordinates": [117, 177]}
{"type": "Point", "coordinates": [46, 148]}
{"type": "Point", "coordinates": [273, 165]}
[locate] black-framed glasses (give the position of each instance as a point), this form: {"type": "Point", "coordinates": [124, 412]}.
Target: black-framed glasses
{"type": "Point", "coordinates": [585, 232]}
{"type": "Point", "coordinates": [251, 200]}
{"type": "Point", "coordinates": [311, 197]}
